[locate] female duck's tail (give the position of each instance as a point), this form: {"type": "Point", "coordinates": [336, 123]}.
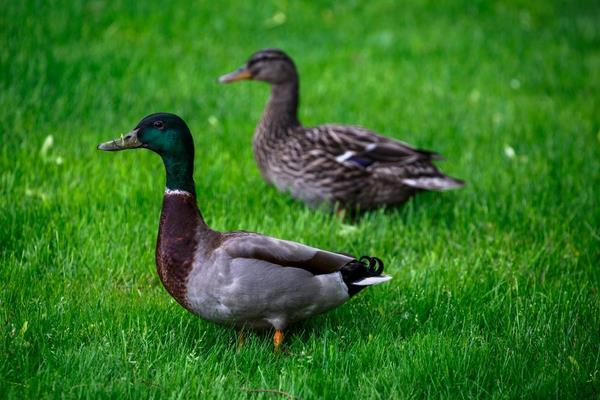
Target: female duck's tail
{"type": "Point", "coordinates": [440, 182]}
{"type": "Point", "coordinates": [366, 271]}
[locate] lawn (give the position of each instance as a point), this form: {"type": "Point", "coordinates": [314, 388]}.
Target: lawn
{"type": "Point", "coordinates": [495, 289]}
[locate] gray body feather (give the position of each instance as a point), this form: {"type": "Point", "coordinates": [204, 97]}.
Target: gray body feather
{"type": "Point", "coordinates": [261, 282]}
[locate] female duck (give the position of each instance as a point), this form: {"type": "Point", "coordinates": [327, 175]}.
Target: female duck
{"type": "Point", "coordinates": [341, 165]}
{"type": "Point", "coordinates": [239, 278]}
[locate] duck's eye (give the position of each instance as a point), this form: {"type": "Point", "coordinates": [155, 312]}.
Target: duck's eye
{"type": "Point", "coordinates": [159, 125]}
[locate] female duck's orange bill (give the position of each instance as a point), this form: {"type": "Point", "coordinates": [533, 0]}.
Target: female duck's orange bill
{"type": "Point", "coordinates": [237, 75]}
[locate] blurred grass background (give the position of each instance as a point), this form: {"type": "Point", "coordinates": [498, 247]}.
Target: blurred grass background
{"type": "Point", "coordinates": [496, 286]}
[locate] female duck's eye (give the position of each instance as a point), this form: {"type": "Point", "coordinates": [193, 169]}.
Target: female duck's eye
{"type": "Point", "coordinates": [159, 124]}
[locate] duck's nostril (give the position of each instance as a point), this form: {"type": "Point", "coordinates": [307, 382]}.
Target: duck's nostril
{"type": "Point", "coordinates": [128, 137]}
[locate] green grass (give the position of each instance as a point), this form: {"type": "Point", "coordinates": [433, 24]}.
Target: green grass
{"type": "Point", "coordinates": [495, 290]}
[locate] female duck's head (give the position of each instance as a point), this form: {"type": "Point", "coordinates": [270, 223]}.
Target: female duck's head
{"type": "Point", "coordinates": [269, 65]}
{"type": "Point", "coordinates": [168, 136]}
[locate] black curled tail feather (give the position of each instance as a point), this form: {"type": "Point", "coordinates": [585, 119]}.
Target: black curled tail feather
{"type": "Point", "coordinates": [362, 268]}
{"type": "Point", "coordinates": [373, 261]}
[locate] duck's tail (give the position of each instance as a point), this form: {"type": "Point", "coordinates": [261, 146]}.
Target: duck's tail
{"type": "Point", "coordinates": [365, 271]}
{"type": "Point", "coordinates": [440, 182]}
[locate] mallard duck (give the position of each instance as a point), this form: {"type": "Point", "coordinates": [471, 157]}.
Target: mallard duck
{"type": "Point", "coordinates": [333, 165]}
{"type": "Point", "coordinates": [241, 279]}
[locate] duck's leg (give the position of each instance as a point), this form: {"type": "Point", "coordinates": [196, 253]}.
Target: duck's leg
{"type": "Point", "coordinates": [278, 340]}
{"type": "Point", "coordinates": [241, 338]}
{"type": "Point", "coordinates": [340, 213]}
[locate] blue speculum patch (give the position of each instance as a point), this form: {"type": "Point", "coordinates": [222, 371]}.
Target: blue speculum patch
{"type": "Point", "coordinates": [361, 161]}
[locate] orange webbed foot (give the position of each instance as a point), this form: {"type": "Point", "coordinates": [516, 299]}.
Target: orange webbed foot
{"type": "Point", "coordinates": [278, 340]}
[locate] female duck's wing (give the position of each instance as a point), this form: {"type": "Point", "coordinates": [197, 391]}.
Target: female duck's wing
{"type": "Point", "coordinates": [282, 252]}
{"type": "Point", "coordinates": [390, 159]}
{"type": "Point", "coordinates": [364, 147]}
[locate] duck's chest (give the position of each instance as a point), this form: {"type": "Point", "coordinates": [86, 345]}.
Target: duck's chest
{"type": "Point", "coordinates": [179, 235]}
{"type": "Point", "coordinates": [174, 265]}
{"type": "Point", "coordinates": [278, 153]}
{"type": "Point", "coordinates": [265, 153]}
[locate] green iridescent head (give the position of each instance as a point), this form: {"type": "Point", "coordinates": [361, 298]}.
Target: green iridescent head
{"type": "Point", "coordinates": [167, 135]}
{"type": "Point", "coordinates": [163, 133]}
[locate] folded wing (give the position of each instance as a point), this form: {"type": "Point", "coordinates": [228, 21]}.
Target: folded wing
{"type": "Point", "coordinates": [283, 252]}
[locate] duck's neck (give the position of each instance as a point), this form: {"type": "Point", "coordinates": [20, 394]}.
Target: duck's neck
{"type": "Point", "coordinates": [182, 229]}
{"type": "Point", "coordinates": [180, 173]}
{"type": "Point", "coordinates": [281, 112]}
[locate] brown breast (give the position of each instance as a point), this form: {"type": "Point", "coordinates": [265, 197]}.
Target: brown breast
{"type": "Point", "coordinates": [177, 241]}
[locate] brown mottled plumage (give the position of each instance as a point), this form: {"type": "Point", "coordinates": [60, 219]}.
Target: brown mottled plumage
{"type": "Point", "coordinates": [342, 165]}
